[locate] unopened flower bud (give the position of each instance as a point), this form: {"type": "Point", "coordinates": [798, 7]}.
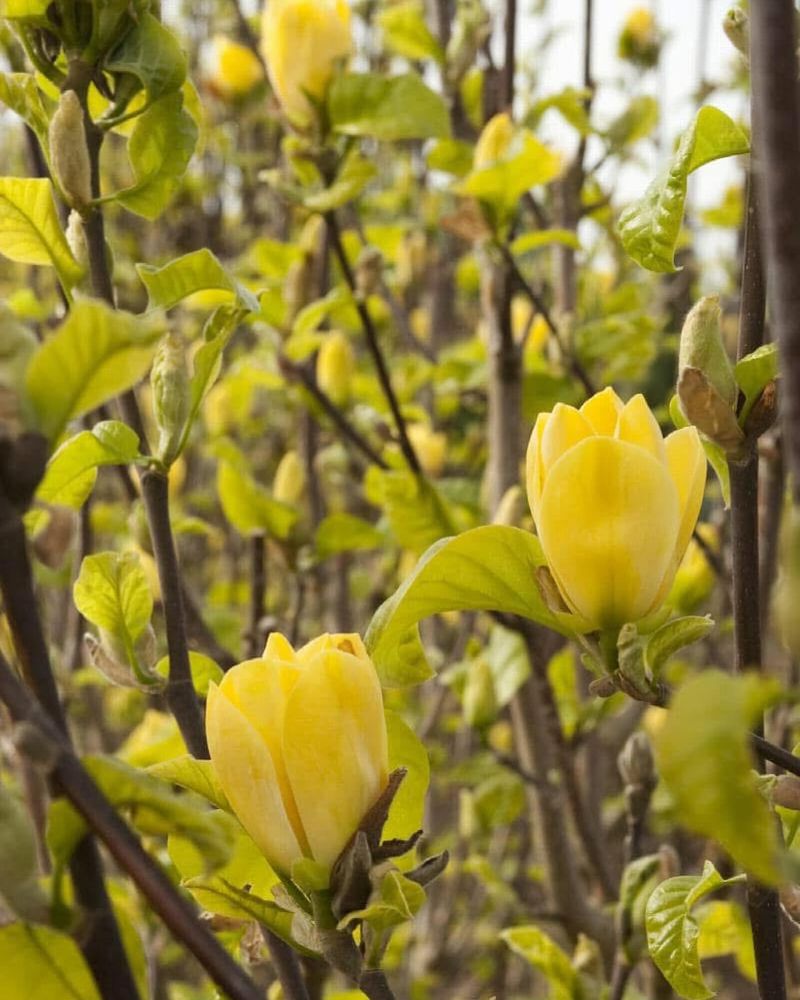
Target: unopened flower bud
{"type": "Point", "coordinates": [736, 25]}
{"type": "Point", "coordinates": [69, 154]}
{"type": "Point", "coordinates": [297, 285]}
{"type": "Point", "coordinates": [335, 362]}
{"type": "Point", "coordinates": [369, 269]}
{"type": "Point", "coordinates": [430, 446]}
{"type": "Point", "coordinates": [169, 380]}
{"type": "Point", "coordinates": [480, 697]}
{"type": "Point", "coordinates": [290, 479]}
{"type": "Point", "coordinates": [494, 140]}
{"type": "Point", "coordinates": [76, 239]}
{"type": "Point", "coordinates": [702, 347]}
{"type": "Point", "coordinates": [472, 28]}
{"type": "Point", "coordinates": [635, 762]}
{"type": "Point", "coordinates": [511, 507]}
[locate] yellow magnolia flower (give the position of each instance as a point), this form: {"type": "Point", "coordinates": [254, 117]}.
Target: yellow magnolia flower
{"type": "Point", "coordinates": [298, 742]}
{"type": "Point", "coordinates": [235, 68]}
{"type": "Point", "coordinates": [430, 446]}
{"type": "Point", "coordinates": [302, 40]}
{"type": "Point", "coordinates": [614, 504]}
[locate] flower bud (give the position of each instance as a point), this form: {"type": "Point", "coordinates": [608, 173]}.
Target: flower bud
{"type": "Point", "coordinates": [614, 504]}
{"type": "Point", "coordinates": [430, 446]}
{"type": "Point", "coordinates": [235, 69]}
{"type": "Point", "coordinates": [640, 39]}
{"type": "Point", "coordinates": [302, 41]}
{"type": "Point", "coordinates": [511, 507]}
{"type": "Point", "coordinates": [702, 348]}
{"type": "Point", "coordinates": [736, 25]}
{"type": "Point", "coordinates": [635, 762]}
{"type": "Point", "coordinates": [169, 380]}
{"type": "Point", "coordinates": [69, 154]}
{"type": "Point", "coordinates": [494, 140]}
{"type": "Point", "coordinates": [369, 268]}
{"type": "Point", "coordinates": [335, 363]}
{"type": "Point", "coordinates": [299, 745]}
{"type": "Point", "coordinates": [76, 239]}
{"type": "Point", "coordinates": [472, 28]}
{"type": "Point", "coordinates": [290, 479]}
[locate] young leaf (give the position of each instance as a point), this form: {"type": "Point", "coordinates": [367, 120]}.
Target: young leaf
{"type": "Point", "coordinates": [72, 470]}
{"type": "Point", "coordinates": [672, 636]}
{"type": "Point", "coordinates": [672, 931]}
{"type": "Point", "coordinates": [408, 806]}
{"type": "Point", "coordinates": [406, 33]}
{"type": "Point", "coordinates": [152, 54]}
{"type": "Point", "coordinates": [248, 506]}
{"type": "Point", "coordinates": [704, 759]}
{"type": "Point", "coordinates": [197, 271]}
{"type": "Point", "coordinates": [204, 670]}
{"type": "Point", "coordinates": [356, 172]}
{"type": "Point", "coordinates": [492, 568]}
{"type": "Point", "coordinates": [649, 227]}
{"type": "Point", "coordinates": [20, 93]}
{"type": "Point", "coordinates": [387, 108]}
{"type": "Point", "coordinates": [155, 810]}
{"type": "Point", "coordinates": [112, 593]}
{"type": "Point", "coordinates": [40, 963]}
{"type": "Point", "coordinates": [96, 353]}
{"type": "Point", "coordinates": [753, 372]}
{"type": "Point", "coordinates": [528, 163]}
{"type": "Point", "coordinates": [159, 149]}
{"type": "Point", "coordinates": [342, 532]}
{"type": "Point", "coordinates": [194, 775]}
{"type": "Point", "coordinates": [546, 957]}
{"type": "Point", "coordinates": [30, 232]}
{"type": "Point", "coordinates": [218, 896]}
{"type": "Point", "coordinates": [418, 514]}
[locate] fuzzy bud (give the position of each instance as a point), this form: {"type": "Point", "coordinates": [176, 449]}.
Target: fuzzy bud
{"type": "Point", "coordinates": [76, 238]}
{"type": "Point", "coordinates": [635, 762]}
{"type": "Point", "coordinates": [69, 154]}
{"type": "Point", "coordinates": [169, 380]}
{"type": "Point", "coordinates": [702, 348]}
{"type": "Point", "coordinates": [335, 363]}
{"type": "Point", "coordinates": [736, 25]}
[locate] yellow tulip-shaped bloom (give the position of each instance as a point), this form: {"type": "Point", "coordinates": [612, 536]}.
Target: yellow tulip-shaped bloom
{"type": "Point", "coordinates": [614, 503]}
{"type": "Point", "coordinates": [302, 40]}
{"type": "Point", "coordinates": [236, 70]}
{"type": "Point", "coordinates": [298, 742]}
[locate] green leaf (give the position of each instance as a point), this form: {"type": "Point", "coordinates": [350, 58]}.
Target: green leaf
{"type": "Point", "coordinates": [636, 122]}
{"type": "Point", "coordinates": [21, 892]}
{"type": "Point", "coordinates": [398, 900]}
{"type": "Point", "coordinates": [546, 957]}
{"type": "Point", "coordinates": [248, 506]}
{"type": "Point", "coordinates": [153, 55]}
{"type": "Point", "coordinates": [672, 636]}
{"type": "Point", "coordinates": [194, 775]}
{"type": "Point", "coordinates": [570, 103]}
{"type": "Point", "coordinates": [527, 164]}
{"type": "Point", "coordinates": [96, 353]}
{"type": "Point", "coordinates": [530, 242]}
{"type": "Point", "coordinates": [40, 963]}
{"type": "Point", "coordinates": [492, 568]}
{"type": "Point", "coordinates": [20, 93]}
{"type": "Point", "coordinates": [704, 759]}
{"type": "Point", "coordinates": [112, 593]}
{"type": "Point", "coordinates": [219, 896]}
{"type": "Point", "coordinates": [355, 173]}
{"type": "Point", "coordinates": [30, 232]}
{"type": "Point", "coordinates": [753, 372]}
{"type": "Point", "coordinates": [451, 156]}
{"type": "Point", "coordinates": [197, 271]}
{"type": "Point", "coordinates": [408, 806]}
{"type": "Point", "coordinates": [33, 10]}
{"type": "Point", "coordinates": [205, 671]}
{"type": "Point", "coordinates": [155, 810]}
{"type": "Point", "coordinates": [386, 108]}
{"type": "Point", "coordinates": [725, 930]}
{"type": "Point", "coordinates": [508, 661]}
{"type": "Point", "coordinates": [160, 147]}
{"type": "Point", "coordinates": [406, 33]}
{"type": "Point", "coordinates": [672, 931]}
{"type": "Point", "coordinates": [343, 532]}
{"type": "Point", "coordinates": [72, 470]}
{"type": "Point", "coordinates": [417, 512]}
{"type": "Point", "coordinates": [649, 227]}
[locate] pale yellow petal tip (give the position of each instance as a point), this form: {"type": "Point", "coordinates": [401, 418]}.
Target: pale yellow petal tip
{"type": "Point", "coordinates": [602, 411]}
{"type": "Point", "coordinates": [565, 428]}
{"type": "Point", "coordinates": [637, 425]}
{"type": "Point", "coordinates": [278, 647]}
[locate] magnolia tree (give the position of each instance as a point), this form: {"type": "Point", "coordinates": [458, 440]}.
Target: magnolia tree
{"type": "Point", "coordinates": [313, 683]}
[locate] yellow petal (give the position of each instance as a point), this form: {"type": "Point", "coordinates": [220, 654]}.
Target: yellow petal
{"type": "Point", "coordinates": [608, 522]}
{"type": "Point", "coordinates": [259, 689]}
{"type": "Point", "coordinates": [247, 775]}
{"type": "Point", "coordinates": [533, 464]}
{"type": "Point", "coordinates": [602, 411]}
{"type": "Point", "coordinates": [278, 647]}
{"type": "Point", "coordinates": [637, 425]}
{"type": "Point", "coordinates": [335, 748]}
{"type": "Point", "coordinates": [565, 428]}
{"type": "Point", "coordinates": [686, 461]}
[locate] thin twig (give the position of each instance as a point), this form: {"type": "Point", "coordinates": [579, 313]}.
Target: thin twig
{"type": "Point", "coordinates": [287, 968]}
{"type": "Point", "coordinates": [373, 344]}
{"type": "Point", "coordinates": [775, 754]}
